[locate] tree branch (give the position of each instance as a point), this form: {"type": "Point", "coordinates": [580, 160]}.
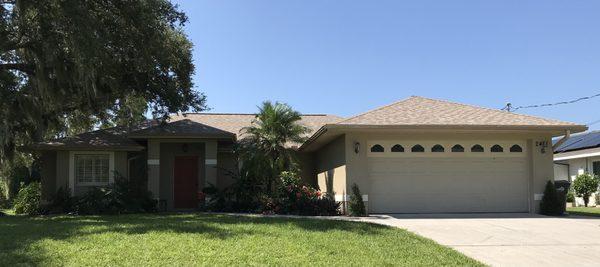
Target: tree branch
{"type": "Point", "coordinates": [18, 66]}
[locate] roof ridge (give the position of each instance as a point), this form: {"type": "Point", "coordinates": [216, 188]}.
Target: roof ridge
{"type": "Point", "coordinates": [494, 110]}
{"type": "Point", "coordinates": [250, 114]}
{"type": "Point", "coordinates": [376, 109]}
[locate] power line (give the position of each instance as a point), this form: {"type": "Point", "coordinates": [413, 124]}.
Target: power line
{"type": "Point", "coordinates": [510, 108]}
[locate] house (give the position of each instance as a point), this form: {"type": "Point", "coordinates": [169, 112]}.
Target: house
{"type": "Point", "coordinates": [578, 154]}
{"type": "Point", "coordinates": [418, 155]}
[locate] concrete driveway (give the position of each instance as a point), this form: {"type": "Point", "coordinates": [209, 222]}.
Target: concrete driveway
{"type": "Point", "coordinates": [509, 239]}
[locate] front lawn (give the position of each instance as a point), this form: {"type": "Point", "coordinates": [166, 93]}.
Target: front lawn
{"type": "Point", "coordinates": [584, 211]}
{"type": "Point", "coordinates": [206, 239]}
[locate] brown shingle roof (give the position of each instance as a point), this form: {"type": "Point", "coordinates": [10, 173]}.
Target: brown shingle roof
{"type": "Point", "coordinates": [105, 139]}
{"type": "Point", "coordinates": [181, 128]}
{"type": "Point", "coordinates": [420, 111]}
{"type": "Point", "coordinates": [234, 123]}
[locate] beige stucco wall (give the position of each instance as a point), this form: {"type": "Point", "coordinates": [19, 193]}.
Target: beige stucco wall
{"type": "Point", "coordinates": [330, 166]}
{"type": "Point", "coordinates": [226, 165]}
{"type": "Point", "coordinates": [541, 164]}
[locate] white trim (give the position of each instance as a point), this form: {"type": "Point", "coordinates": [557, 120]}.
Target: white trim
{"type": "Point", "coordinates": [111, 168]}
{"type": "Point", "coordinates": [210, 161]}
{"type": "Point", "coordinates": [340, 198]}
{"type": "Point", "coordinates": [577, 154]}
{"type": "Point", "coordinates": [153, 162]}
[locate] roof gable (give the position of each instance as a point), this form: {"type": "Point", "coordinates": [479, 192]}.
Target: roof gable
{"type": "Point", "coordinates": [416, 111]}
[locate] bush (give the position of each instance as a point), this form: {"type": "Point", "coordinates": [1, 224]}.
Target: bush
{"type": "Point", "coordinates": [4, 201]}
{"type": "Point", "coordinates": [570, 196]}
{"type": "Point", "coordinates": [28, 200]}
{"type": "Point", "coordinates": [61, 202]}
{"type": "Point", "coordinates": [585, 185]}
{"type": "Point", "coordinates": [123, 196]}
{"type": "Point", "coordinates": [551, 202]}
{"type": "Point", "coordinates": [356, 206]}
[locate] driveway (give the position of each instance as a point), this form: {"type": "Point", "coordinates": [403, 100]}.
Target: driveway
{"type": "Point", "coordinates": [509, 239]}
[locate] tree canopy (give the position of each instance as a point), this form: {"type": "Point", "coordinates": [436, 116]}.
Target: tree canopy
{"type": "Point", "coordinates": [266, 149]}
{"type": "Point", "coordinates": [80, 62]}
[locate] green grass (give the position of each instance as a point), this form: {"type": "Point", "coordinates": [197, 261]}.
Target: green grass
{"type": "Point", "coordinates": [208, 239]}
{"type": "Point", "coordinates": [584, 211]}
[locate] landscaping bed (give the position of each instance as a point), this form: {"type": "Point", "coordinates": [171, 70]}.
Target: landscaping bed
{"type": "Point", "coordinates": [210, 239]}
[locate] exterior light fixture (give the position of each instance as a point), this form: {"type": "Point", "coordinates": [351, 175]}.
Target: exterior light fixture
{"type": "Point", "coordinates": [356, 147]}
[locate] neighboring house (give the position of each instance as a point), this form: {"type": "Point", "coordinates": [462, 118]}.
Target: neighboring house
{"type": "Point", "coordinates": [578, 154]}
{"type": "Point", "coordinates": [417, 155]}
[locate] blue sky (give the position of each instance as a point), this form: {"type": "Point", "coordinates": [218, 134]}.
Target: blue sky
{"type": "Point", "coordinates": [347, 57]}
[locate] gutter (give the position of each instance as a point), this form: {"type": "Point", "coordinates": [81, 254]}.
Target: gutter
{"type": "Point", "coordinates": [562, 140]}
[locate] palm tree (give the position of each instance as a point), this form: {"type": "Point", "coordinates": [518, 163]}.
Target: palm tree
{"type": "Point", "coordinates": [266, 148]}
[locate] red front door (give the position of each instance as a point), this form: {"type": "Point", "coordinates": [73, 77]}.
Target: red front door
{"type": "Point", "coordinates": [185, 182]}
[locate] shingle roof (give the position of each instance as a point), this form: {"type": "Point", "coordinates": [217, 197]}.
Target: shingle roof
{"type": "Point", "coordinates": [181, 128]}
{"type": "Point", "coordinates": [579, 142]}
{"type": "Point", "coordinates": [418, 111]}
{"type": "Point", "coordinates": [234, 123]}
{"type": "Point", "coordinates": [105, 139]}
{"type": "Point", "coordinates": [214, 125]}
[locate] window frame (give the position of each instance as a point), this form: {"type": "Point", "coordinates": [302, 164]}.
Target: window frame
{"type": "Point", "coordinates": [496, 145]}
{"type": "Point", "coordinates": [438, 146]}
{"type": "Point", "coordinates": [73, 177]}
{"type": "Point", "coordinates": [457, 146]}
{"type": "Point", "coordinates": [510, 149]}
{"type": "Point", "coordinates": [419, 145]}
{"type": "Point", "coordinates": [377, 145]}
{"type": "Point", "coordinates": [397, 145]}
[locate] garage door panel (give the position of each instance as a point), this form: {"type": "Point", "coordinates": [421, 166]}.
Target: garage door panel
{"type": "Point", "coordinates": [431, 185]}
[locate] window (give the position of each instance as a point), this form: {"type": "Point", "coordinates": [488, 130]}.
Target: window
{"type": "Point", "coordinates": [417, 148]}
{"type": "Point", "coordinates": [377, 148]}
{"type": "Point", "coordinates": [596, 167]}
{"type": "Point", "coordinates": [91, 169]}
{"type": "Point", "coordinates": [516, 148]}
{"type": "Point", "coordinates": [458, 148]}
{"type": "Point", "coordinates": [477, 148]}
{"type": "Point", "coordinates": [437, 148]}
{"type": "Point", "coordinates": [497, 149]}
{"type": "Point", "coordinates": [397, 148]}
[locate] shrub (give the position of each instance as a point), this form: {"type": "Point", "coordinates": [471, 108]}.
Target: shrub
{"type": "Point", "coordinates": [551, 203]}
{"type": "Point", "coordinates": [570, 196]}
{"type": "Point", "coordinates": [356, 206]}
{"type": "Point", "coordinates": [4, 202]}
{"type": "Point", "coordinates": [28, 200]}
{"type": "Point", "coordinates": [61, 202]}
{"type": "Point", "coordinates": [585, 185]}
{"type": "Point", "coordinates": [123, 196]}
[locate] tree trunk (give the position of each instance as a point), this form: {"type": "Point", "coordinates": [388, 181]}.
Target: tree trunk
{"type": "Point", "coordinates": [586, 200]}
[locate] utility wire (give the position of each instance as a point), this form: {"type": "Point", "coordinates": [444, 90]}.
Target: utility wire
{"type": "Point", "coordinates": [510, 108]}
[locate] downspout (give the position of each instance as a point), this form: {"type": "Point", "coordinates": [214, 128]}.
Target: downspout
{"type": "Point", "coordinates": [562, 140]}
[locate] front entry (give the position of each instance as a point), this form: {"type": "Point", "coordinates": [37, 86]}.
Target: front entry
{"type": "Point", "coordinates": [185, 182]}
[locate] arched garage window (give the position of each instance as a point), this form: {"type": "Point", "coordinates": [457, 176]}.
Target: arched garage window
{"type": "Point", "coordinates": [477, 148]}
{"type": "Point", "coordinates": [397, 148]}
{"type": "Point", "coordinates": [497, 149]}
{"type": "Point", "coordinates": [516, 148]}
{"type": "Point", "coordinates": [377, 148]}
{"type": "Point", "coordinates": [417, 148]}
{"type": "Point", "coordinates": [437, 148]}
{"type": "Point", "coordinates": [458, 148]}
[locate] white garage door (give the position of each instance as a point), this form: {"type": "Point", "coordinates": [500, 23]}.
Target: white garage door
{"type": "Point", "coordinates": [447, 182]}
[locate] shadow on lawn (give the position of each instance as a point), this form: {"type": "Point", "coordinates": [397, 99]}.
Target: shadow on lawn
{"type": "Point", "coordinates": [18, 234]}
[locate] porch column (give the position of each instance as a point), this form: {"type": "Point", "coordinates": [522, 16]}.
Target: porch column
{"type": "Point", "coordinates": [154, 167]}
{"type": "Point", "coordinates": [210, 163]}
